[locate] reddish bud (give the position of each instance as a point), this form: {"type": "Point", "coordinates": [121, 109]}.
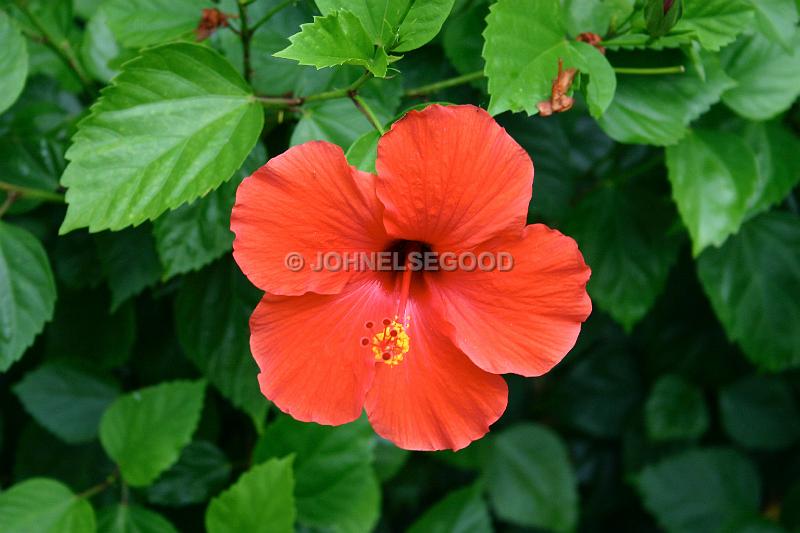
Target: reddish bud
{"type": "Point", "coordinates": [210, 21]}
{"type": "Point", "coordinates": [559, 100]}
{"type": "Point", "coordinates": [592, 39]}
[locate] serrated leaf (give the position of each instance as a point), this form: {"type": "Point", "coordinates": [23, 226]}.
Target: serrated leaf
{"type": "Point", "coordinates": [422, 21]}
{"type": "Point", "coordinates": [675, 410]}
{"type": "Point", "coordinates": [176, 123]}
{"type": "Point", "coordinates": [66, 400]}
{"type": "Point", "coordinates": [525, 39]}
{"type": "Point", "coordinates": [335, 486]}
{"type": "Point", "coordinates": [138, 23]}
{"type": "Point", "coordinates": [260, 501]}
{"type": "Point", "coordinates": [200, 472]}
{"type": "Point", "coordinates": [767, 76]}
{"type": "Point", "coordinates": [751, 282]}
{"type": "Point", "coordinates": [145, 431]}
{"type": "Point", "coordinates": [461, 511]}
{"type": "Point", "coordinates": [193, 235]}
{"type": "Point", "coordinates": [715, 23]}
{"type": "Point", "coordinates": [13, 62]}
{"type": "Point", "coordinates": [777, 20]}
{"type": "Point", "coordinates": [700, 490]}
{"type": "Point", "coordinates": [713, 175]}
{"type": "Point", "coordinates": [760, 412]}
{"type": "Point", "coordinates": [125, 518]}
{"type": "Point", "coordinates": [625, 234]}
{"type": "Point", "coordinates": [658, 109]}
{"type": "Point", "coordinates": [99, 47]}
{"type": "Point", "coordinates": [211, 317]}
{"type": "Point", "coordinates": [27, 292]}
{"type": "Point", "coordinates": [129, 261]}
{"type": "Point", "coordinates": [338, 38]}
{"type": "Point", "coordinates": [42, 505]}
{"type": "Point", "coordinates": [595, 16]}
{"type": "Point", "coordinates": [776, 149]}
{"type": "Point", "coordinates": [530, 480]}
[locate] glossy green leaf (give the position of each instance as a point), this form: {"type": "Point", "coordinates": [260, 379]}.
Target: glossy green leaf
{"type": "Point", "coordinates": [461, 511]}
{"type": "Point", "coordinates": [625, 234]}
{"type": "Point", "coordinates": [715, 23]}
{"type": "Point", "coordinates": [27, 292]}
{"type": "Point", "coordinates": [596, 16]}
{"type": "Point", "coordinates": [530, 479]}
{"type": "Point", "coordinates": [525, 39]}
{"type": "Point", "coordinates": [176, 123]}
{"type": "Point", "coordinates": [459, 42]}
{"type": "Point", "coordinates": [193, 235]}
{"type": "Point", "coordinates": [760, 412]}
{"type": "Point", "coordinates": [335, 487]}
{"type": "Point", "coordinates": [124, 518]}
{"type": "Point", "coordinates": [364, 151]}
{"type": "Point", "coordinates": [201, 471]}
{"type": "Point", "coordinates": [776, 149]}
{"type": "Point", "coordinates": [658, 109]}
{"type": "Point", "coordinates": [422, 21]}
{"type": "Point", "coordinates": [767, 76]}
{"type": "Point", "coordinates": [211, 316]}
{"type": "Point", "coordinates": [338, 38]}
{"type": "Point", "coordinates": [66, 400]}
{"type": "Point", "coordinates": [13, 61]}
{"type": "Point", "coordinates": [675, 410]}
{"type": "Point", "coordinates": [260, 501]}
{"type": "Point", "coordinates": [129, 261]}
{"type": "Point", "coordinates": [99, 47]}
{"type": "Point", "coordinates": [748, 280]}
{"type": "Point", "coordinates": [43, 505]}
{"type": "Point", "coordinates": [700, 490]}
{"type": "Point", "coordinates": [713, 175]}
{"type": "Point", "coordinates": [138, 23]}
{"type": "Point", "coordinates": [777, 20]}
{"type": "Point", "coordinates": [145, 431]}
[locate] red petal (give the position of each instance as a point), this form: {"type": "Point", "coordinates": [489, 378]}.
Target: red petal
{"type": "Point", "coordinates": [306, 200]}
{"type": "Point", "coordinates": [451, 177]}
{"type": "Point", "coordinates": [435, 398]}
{"type": "Point", "coordinates": [522, 321]}
{"type": "Point", "coordinates": [313, 365]}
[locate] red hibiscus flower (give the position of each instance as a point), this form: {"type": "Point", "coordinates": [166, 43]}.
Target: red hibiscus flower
{"type": "Point", "coordinates": [420, 351]}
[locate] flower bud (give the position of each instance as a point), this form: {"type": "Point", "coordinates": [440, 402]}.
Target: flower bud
{"type": "Point", "coordinates": [661, 15]}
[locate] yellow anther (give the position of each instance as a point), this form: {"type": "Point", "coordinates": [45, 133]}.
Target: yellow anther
{"type": "Point", "coordinates": [391, 343]}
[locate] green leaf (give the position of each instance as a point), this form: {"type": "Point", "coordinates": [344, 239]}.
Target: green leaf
{"type": "Point", "coordinates": [700, 490]}
{"type": "Point", "coordinates": [336, 39]}
{"type": "Point", "coordinates": [144, 431]}
{"type": "Point", "coordinates": [675, 410]}
{"type": "Point", "coordinates": [595, 16]}
{"type": "Point", "coordinates": [175, 124]}
{"type": "Point", "coordinates": [260, 501]}
{"type": "Point", "coordinates": [625, 234]}
{"type": "Point", "coordinates": [461, 511]}
{"type": "Point", "coordinates": [767, 76]}
{"type": "Point", "coordinates": [200, 472]}
{"type": "Point", "coordinates": [43, 505]}
{"type": "Point", "coordinates": [461, 47]}
{"type": "Point", "coordinates": [195, 234]}
{"type": "Point", "coordinates": [749, 281]}
{"type": "Point", "coordinates": [776, 150]}
{"type": "Point", "coordinates": [138, 23]}
{"type": "Point", "coordinates": [530, 480]}
{"type": "Point", "coordinates": [66, 400]}
{"type": "Point", "coordinates": [524, 41]}
{"type": "Point", "coordinates": [422, 21]}
{"type": "Point", "coordinates": [777, 20]}
{"type": "Point", "coordinates": [715, 23]}
{"type": "Point", "coordinates": [217, 340]}
{"type": "Point", "coordinates": [658, 109]}
{"type": "Point", "coordinates": [124, 518]}
{"type": "Point", "coordinates": [760, 412]}
{"type": "Point", "coordinates": [364, 151]}
{"type": "Point", "coordinates": [27, 292]}
{"type": "Point", "coordinates": [13, 61]}
{"type": "Point", "coordinates": [713, 175]}
{"type": "Point", "coordinates": [99, 47]}
{"type": "Point", "coordinates": [335, 486]}
{"type": "Point", "coordinates": [129, 262]}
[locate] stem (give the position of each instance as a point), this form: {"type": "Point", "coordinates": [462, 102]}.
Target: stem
{"type": "Point", "coordinates": [10, 199]}
{"type": "Point", "coordinates": [444, 84]}
{"type": "Point", "coordinates": [362, 106]}
{"type": "Point", "coordinates": [30, 192]}
{"type": "Point", "coordinates": [271, 13]}
{"type": "Point", "coordinates": [246, 35]}
{"type": "Point", "coordinates": [678, 69]}
{"type": "Point", "coordinates": [63, 49]}
{"type": "Point", "coordinates": [100, 487]}
{"type": "Point", "coordinates": [294, 101]}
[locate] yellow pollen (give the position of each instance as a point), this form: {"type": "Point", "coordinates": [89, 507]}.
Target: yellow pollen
{"type": "Point", "coordinates": [391, 344]}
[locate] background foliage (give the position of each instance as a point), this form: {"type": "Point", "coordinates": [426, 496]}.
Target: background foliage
{"type": "Point", "coordinates": [128, 398]}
